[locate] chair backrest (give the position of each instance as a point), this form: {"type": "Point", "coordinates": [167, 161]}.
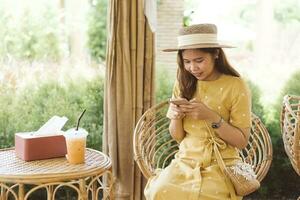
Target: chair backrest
{"type": "Point", "coordinates": [154, 147]}
{"type": "Point", "coordinates": [290, 128]}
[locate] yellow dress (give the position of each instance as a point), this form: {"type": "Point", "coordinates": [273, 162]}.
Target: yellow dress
{"type": "Point", "coordinates": [194, 173]}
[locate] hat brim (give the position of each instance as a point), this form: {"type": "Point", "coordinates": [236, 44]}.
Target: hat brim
{"type": "Point", "coordinates": [199, 46]}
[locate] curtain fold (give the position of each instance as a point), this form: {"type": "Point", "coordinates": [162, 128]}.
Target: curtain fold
{"type": "Point", "coordinates": [129, 90]}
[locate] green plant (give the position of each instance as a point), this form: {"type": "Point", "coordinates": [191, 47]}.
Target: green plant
{"type": "Point", "coordinates": [31, 38]}
{"type": "Point", "coordinates": [257, 107]}
{"type": "Point", "coordinates": [164, 84]}
{"type": "Point", "coordinates": [187, 18]}
{"type": "Point", "coordinates": [287, 12]}
{"type": "Point", "coordinates": [97, 30]}
{"type": "Point", "coordinates": [281, 168]}
{"type": "Point", "coordinates": [32, 107]}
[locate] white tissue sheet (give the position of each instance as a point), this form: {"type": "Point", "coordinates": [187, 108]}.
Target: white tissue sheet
{"type": "Point", "coordinates": [52, 127]}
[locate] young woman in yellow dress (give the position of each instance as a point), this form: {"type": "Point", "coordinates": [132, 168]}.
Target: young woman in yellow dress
{"type": "Point", "coordinates": [210, 99]}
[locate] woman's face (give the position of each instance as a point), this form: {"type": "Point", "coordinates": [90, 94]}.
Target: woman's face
{"type": "Point", "coordinates": [200, 64]}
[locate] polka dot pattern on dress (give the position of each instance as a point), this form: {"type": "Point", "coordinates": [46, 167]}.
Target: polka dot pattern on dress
{"type": "Point", "coordinates": [230, 101]}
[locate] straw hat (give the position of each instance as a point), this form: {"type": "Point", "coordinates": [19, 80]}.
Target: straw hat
{"type": "Point", "coordinates": [198, 36]}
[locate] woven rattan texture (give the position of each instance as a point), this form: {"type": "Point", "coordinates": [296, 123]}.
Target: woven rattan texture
{"type": "Point", "coordinates": [11, 165]}
{"type": "Point", "coordinates": [290, 128]}
{"type": "Point", "coordinates": [154, 148]}
{"type": "Point", "coordinates": [194, 29]}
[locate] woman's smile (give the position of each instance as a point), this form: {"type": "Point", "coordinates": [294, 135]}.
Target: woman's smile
{"type": "Point", "coordinates": [199, 63]}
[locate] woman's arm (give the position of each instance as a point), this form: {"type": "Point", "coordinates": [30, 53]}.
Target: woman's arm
{"type": "Point", "coordinates": [176, 130]}
{"type": "Point", "coordinates": [232, 135]}
{"type": "Point", "coordinates": [176, 126]}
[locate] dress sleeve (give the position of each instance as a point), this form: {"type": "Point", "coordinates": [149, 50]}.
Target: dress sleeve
{"type": "Point", "coordinates": [240, 113]}
{"type": "Point", "coordinates": [176, 90]}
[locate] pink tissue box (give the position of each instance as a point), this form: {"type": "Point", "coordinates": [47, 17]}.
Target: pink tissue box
{"type": "Point", "coordinates": [30, 147]}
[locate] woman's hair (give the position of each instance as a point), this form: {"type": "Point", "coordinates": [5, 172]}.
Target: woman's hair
{"type": "Point", "coordinates": [188, 83]}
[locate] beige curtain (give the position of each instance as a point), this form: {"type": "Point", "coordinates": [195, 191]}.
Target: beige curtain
{"type": "Point", "coordinates": [129, 90]}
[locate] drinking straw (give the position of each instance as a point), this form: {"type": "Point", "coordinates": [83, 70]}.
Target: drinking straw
{"type": "Point", "coordinates": [79, 118]}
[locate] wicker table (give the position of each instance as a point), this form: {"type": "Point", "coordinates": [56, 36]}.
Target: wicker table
{"type": "Point", "coordinates": [20, 179]}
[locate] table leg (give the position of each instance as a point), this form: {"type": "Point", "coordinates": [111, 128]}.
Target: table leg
{"type": "Point", "coordinates": [108, 183]}
{"type": "Point", "coordinates": [94, 190]}
{"type": "Point", "coordinates": [111, 184]}
{"type": "Point", "coordinates": [3, 193]}
{"type": "Point", "coordinates": [21, 191]}
{"type": "Point", "coordinates": [50, 193]}
{"type": "Point", "coordinates": [82, 188]}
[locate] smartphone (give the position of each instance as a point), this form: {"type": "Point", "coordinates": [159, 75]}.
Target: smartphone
{"type": "Point", "coordinates": [179, 101]}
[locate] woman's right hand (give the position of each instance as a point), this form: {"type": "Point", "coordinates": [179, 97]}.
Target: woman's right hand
{"type": "Point", "coordinates": [174, 112]}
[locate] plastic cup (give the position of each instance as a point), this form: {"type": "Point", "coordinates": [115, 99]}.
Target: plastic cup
{"type": "Point", "coordinates": [76, 143]}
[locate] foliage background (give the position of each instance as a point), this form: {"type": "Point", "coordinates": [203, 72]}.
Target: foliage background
{"type": "Point", "coordinates": [97, 30]}
{"type": "Point", "coordinates": [25, 37]}
{"type": "Point", "coordinates": [27, 110]}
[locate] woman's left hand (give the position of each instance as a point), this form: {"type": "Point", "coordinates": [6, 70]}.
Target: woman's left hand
{"type": "Point", "coordinates": [197, 110]}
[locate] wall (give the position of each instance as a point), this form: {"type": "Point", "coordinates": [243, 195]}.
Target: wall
{"type": "Point", "coordinates": [170, 18]}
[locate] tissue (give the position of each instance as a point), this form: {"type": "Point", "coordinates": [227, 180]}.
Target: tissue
{"type": "Point", "coordinates": [52, 126]}
{"type": "Point", "coordinates": [47, 142]}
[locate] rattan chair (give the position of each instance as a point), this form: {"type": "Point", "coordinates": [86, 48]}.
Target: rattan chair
{"type": "Point", "coordinates": [290, 128]}
{"type": "Point", "coordinates": [154, 148]}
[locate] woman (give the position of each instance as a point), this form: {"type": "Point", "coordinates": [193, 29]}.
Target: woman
{"type": "Point", "coordinates": [217, 106]}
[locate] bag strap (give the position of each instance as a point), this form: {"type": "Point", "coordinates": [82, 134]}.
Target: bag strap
{"type": "Point", "coordinates": [221, 163]}
{"type": "Point", "coordinates": [218, 155]}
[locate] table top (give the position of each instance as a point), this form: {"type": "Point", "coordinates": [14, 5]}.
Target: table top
{"type": "Point", "coordinates": [13, 169]}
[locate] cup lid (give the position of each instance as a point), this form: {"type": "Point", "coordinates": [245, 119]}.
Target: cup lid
{"type": "Point", "coordinates": [73, 133]}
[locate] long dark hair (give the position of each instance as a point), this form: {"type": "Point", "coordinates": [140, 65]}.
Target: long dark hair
{"type": "Point", "coordinates": [188, 83]}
